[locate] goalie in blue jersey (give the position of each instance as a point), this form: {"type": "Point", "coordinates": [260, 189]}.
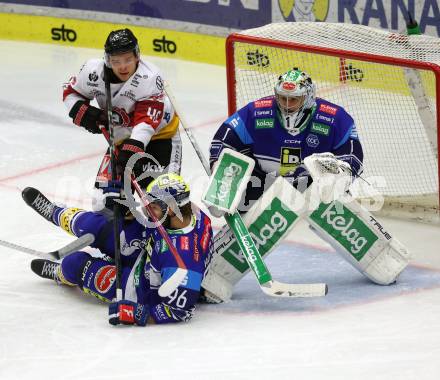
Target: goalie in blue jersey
{"type": "Point", "coordinates": [145, 257]}
{"type": "Point", "coordinates": [305, 140]}
{"type": "Point", "coordinates": [281, 130]}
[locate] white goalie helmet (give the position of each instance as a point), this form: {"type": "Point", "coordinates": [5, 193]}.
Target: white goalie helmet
{"type": "Point", "coordinates": [295, 95]}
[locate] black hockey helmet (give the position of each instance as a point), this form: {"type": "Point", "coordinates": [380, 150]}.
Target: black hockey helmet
{"type": "Point", "coordinates": [120, 41]}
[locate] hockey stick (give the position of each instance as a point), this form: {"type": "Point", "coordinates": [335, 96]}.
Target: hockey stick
{"type": "Point", "coordinates": [173, 282]}
{"type": "Point", "coordinates": [267, 284]}
{"type": "Point", "coordinates": [60, 253]}
{"type": "Point", "coordinates": [116, 211]}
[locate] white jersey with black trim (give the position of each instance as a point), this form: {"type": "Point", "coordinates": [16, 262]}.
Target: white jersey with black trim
{"type": "Point", "coordinates": [141, 99]}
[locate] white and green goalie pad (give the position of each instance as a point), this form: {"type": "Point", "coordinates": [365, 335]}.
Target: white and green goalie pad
{"type": "Point", "coordinates": [354, 233]}
{"type": "Point", "coordinates": [269, 221]}
{"type": "Point", "coordinates": [360, 238]}
{"type": "Point", "coordinates": [228, 182]}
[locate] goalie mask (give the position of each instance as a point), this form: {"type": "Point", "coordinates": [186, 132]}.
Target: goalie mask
{"type": "Point", "coordinates": [169, 190]}
{"type": "Point", "coordinates": [295, 96]}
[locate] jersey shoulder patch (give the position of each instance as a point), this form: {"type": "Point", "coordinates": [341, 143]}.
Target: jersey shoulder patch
{"type": "Point", "coordinates": [147, 80]}
{"type": "Point", "coordinates": [239, 127]}
{"type": "Point", "coordinates": [327, 108]}
{"type": "Point", "coordinates": [92, 70]}
{"type": "Point", "coordinates": [264, 102]}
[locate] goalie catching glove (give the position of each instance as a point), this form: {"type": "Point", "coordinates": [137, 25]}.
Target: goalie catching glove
{"type": "Point", "coordinates": [331, 177]}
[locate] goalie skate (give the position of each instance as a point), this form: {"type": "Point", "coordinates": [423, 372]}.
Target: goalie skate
{"type": "Point", "coordinates": [36, 200]}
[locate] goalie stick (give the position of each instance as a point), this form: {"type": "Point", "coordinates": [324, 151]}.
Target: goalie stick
{"type": "Point", "coordinates": [250, 252]}
{"type": "Point", "coordinates": [60, 253]}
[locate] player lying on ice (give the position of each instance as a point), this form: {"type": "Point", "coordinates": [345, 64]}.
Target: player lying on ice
{"type": "Point", "coordinates": [301, 146]}
{"type": "Point", "coordinates": [145, 257]}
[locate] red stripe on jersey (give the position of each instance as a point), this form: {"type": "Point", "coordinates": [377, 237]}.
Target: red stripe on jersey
{"type": "Point", "coordinates": [149, 112]}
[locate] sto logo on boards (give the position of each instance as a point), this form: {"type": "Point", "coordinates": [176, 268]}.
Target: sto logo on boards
{"type": "Point", "coordinates": [63, 34]}
{"type": "Point", "coordinates": [164, 45]}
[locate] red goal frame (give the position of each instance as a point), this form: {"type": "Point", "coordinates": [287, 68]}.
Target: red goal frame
{"type": "Point", "coordinates": [339, 53]}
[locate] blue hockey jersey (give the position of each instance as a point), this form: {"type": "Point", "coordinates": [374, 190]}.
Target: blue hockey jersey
{"type": "Point", "coordinates": [146, 261]}
{"type": "Point", "coordinates": [256, 131]}
{"type": "Point", "coordinates": [194, 244]}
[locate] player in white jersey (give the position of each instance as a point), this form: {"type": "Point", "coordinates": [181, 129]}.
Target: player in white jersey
{"type": "Point", "coordinates": [143, 116]}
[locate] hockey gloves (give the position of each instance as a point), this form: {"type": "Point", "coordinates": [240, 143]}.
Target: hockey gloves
{"type": "Point", "coordinates": [128, 148]}
{"type": "Point", "coordinates": [87, 116]}
{"type": "Point", "coordinates": [105, 197]}
{"type": "Point", "coordinates": [127, 313]}
{"type": "Point", "coordinates": [120, 117]}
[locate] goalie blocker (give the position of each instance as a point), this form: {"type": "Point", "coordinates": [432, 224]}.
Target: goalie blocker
{"type": "Point", "coordinates": [349, 228]}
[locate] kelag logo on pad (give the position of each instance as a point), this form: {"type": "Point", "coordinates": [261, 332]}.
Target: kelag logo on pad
{"type": "Point", "coordinates": [266, 231]}
{"type": "Point", "coordinates": [226, 182]}
{"type": "Point", "coordinates": [350, 231]}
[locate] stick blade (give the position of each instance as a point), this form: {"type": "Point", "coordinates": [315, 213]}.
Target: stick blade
{"type": "Point", "coordinates": [279, 289]}
{"type": "Point", "coordinates": [173, 282]}
{"type": "Point", "coordinates": [75, 245]}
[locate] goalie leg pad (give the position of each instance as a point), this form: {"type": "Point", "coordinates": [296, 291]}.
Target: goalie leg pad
{"type": "Point", "coordinates": [360, 239]}
{"type": "Point", "coordinates": [269, 220]}
{"type": "Point", "coordinates": [388, 265]}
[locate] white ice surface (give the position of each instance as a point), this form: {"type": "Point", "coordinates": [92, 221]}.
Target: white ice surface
{"type": "Point", "coordinates": [359, 331]}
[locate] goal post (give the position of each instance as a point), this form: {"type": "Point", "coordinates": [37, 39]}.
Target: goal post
{"type": "Point", "coordinates": [388, 82]}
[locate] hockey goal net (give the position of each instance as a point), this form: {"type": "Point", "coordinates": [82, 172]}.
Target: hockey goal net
{"type": "Point", "coordinates": [388, 82]}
